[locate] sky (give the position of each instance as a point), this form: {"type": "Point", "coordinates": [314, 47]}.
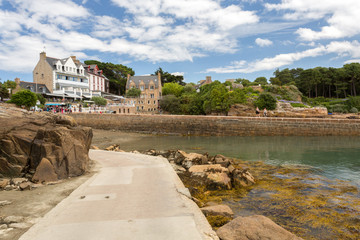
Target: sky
{"type": "Point", "coordinates": [224, 39]}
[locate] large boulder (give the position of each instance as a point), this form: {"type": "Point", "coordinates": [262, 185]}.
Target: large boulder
{"type": "Point", "coordinates": [28, 139]}
{"type": "Point", "coordinates": [254, 228]}
{"type": "Point", "coordinates": [189, 159]}
{"type": "Point", "coordinates": [214, 175]}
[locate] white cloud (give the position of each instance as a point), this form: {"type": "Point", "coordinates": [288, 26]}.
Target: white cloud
{"type": "Point", "coordinates": [263, 42]}
{"type": "Point", "coordinates": [178, 73]}
{"type": "Point", "coordinates": [342, 17]}
{"type": "Point", "coordinates": [344, 48]}
{"type": "Point", "coordinates": [352, 61]}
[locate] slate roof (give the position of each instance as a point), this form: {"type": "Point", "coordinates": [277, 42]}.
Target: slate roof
{"type": "Point", "coordinates": [146, 79]}
{"type": "Point", "coordinates": [31, 86]}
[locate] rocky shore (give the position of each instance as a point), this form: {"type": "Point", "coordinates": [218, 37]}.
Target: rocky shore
{"type": "Point", "coordinates": [203, 174]}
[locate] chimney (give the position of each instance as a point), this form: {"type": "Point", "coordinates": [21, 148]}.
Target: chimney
{"type": "Point", "coordinates": [43, 56]}
{"type": "Point", "coordinates": [73, 58]}
{"type": "Point", "coordinates": [17, 81]}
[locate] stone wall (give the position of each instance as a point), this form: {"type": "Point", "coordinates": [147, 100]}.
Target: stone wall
{"type": "Point", "coordinates": [220, 125]}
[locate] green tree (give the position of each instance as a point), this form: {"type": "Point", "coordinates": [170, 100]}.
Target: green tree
{"type": "Point", "coordinates": [169, 78]}
{"type": "Point", "coordinates": [10, 84]}
{"type": "Point", "coordinates": [171, 104]}
{"type": "Point", "coordinates": [116, 73]}
{"type": "Point", "coordinates": [266, 100]}
{"type": "Point", "coordinates": [275, 81]}
{"type": "Point", "coordinates": [4, 92]}
{"type": "Point", "coordinates": [261, 80]}
{"type": "Point", "coordinates": [41, 98]}
{"type": "Point", "coordinates": [172, 88]}
{"type": "Point", "coordinates": [24, 98]}
{"type": "Point", "coordinates": [243, 81]}
{"type": "Point", "coordinates": [100, 101]}
{"type": "Point", "coordinates": [133, 92]}
{"type": "Point", "coordinates": [189, 88]}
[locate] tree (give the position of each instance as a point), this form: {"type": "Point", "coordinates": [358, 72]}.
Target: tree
{"type": "Point", "coordinates": [100, 101]}
{"type": "Point", "coordinates": [41, 98]}
{"type": "Point", "coordinates": [261, 80]}
{"type": "Point", "coordinates": [275, 81]}
{"type": "Point", "coordinates": [24, 98]}
{"type": "Point", "coordinates": [133, 92]}
{"type": "Point", "coordinates": [172, 88]}
{"type": "Point", "coordinates": [189, 88]}
{"type": "Point", "coordinates": [116, 73]}
{"type": "Point", "coordinates": [10, 84]}
{"type": "Point", "coordinates": [170, 78]}
{"type": "Point", "coordinates": [266, 100]}
{"type": "Point", "coordinates": [171, 104]}
{"type": "Point", "coordinates": [243, 81]}
{"type": "Point", "coordinates": [4, 92]}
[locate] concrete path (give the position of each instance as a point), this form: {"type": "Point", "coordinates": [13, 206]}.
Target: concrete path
{"type": "Point", "coordinates": [133, 196]}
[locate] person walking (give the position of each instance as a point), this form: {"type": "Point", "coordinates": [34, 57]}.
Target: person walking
{"type": "Point", "coordinates": [265, 112]}
{"type": "Point", "coordinates": [257, 111]}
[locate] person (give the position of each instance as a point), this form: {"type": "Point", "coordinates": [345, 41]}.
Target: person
{"type": "Point", "coordinates": [265, 112]}
{"type": "Point", "coordinates": [257, 111]}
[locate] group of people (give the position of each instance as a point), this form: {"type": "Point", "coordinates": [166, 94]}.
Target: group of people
{"type": "Point", "coordinates": [257, 111]}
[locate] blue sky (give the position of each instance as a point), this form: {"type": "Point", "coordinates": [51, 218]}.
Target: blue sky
{"type": "Point", "coordinates": [195, 38]}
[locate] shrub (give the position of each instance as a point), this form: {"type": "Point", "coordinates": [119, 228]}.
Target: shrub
{"type": "Point", "coordinates": [24, 98]}
{"type": "Point", "coordinates": [171, 104]}
{"type": "Point", "coordinates": [353, 102]}
{"type": "Point", "coordinates": [298, 105]}
{"type": "Point", "coordinates": [266, 100]}
{"type": "Point", "coordinates": [41, 98]}
{"type": "Point", "coordinates": [100, 101]}
{"type": "Point", "coordinates": [337, 108]}
{"type": "Point", "coordinates": [133, 92]}
{"type": "Point", "coordinates": [354, 110]}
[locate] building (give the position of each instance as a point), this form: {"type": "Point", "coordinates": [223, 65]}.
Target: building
{"type": "Point", "coordinates": [150, 87]}
{"type": "Point", "coordinates": [62, 76]}
{"type": "Point", "coordinates": [203, 82]}
{"type": "Point", "coordinates": [32, 86]}
{"type": "Point", "coordinates": [97, 81]}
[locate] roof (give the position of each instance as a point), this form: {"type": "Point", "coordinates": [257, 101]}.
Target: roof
{"type": "Point", "coordinates": [31, 86]}
{"type": "Point", "coordinates": [145, 79]}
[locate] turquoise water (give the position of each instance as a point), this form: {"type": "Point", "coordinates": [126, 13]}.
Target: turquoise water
{"type": "Point", "coordinates": [334, 157]}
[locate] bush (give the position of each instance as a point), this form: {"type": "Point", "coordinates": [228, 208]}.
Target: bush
{"type": "Point", "coordinates": [354, 110]}
{"type": "Point", "coordinates": [337, 108]}
{"type": "Point", "coordinates": [266, 100]}
{"type": "Point", "coordinates": [298, 105]}
{"type": "Point", "coordinates": [353, 102]}
{"type": "Point", "coordinates": [100, 101]}
{"type": "Point", "coordinates": [171, 104]}
{"type": "Point", "coordinates": [24, 98]}
{"type": "Point", "coordinates": [41, 98]}
{"type": "Point", "coordinates": [133, 92]}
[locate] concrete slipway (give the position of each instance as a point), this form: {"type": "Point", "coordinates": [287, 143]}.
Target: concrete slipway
{"type": "Point", "coordinates": [132, 196]}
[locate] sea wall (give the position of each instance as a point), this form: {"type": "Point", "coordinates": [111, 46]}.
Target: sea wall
{"type": "Point", "coordinates": [221, 125]}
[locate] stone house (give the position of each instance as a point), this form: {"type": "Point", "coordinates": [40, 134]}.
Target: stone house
{"type": "Point", "coordinates": [151, 92]}
{"type": "Point", "coordinates": [65, 75]}
{"type": "Point", "coordinates": [203, 82]}
{"type": "Point", "coordinates": [32, 86]}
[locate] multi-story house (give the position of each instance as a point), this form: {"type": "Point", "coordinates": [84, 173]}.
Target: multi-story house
{"type": "Point", "coordinates": [150, 87]}
{"type": "Point", "coordinates": [97, 81]}
{"type": "Point", "coordinates": [62, 76]}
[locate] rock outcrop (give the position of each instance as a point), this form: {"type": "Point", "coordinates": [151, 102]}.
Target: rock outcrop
{"type": "Point", "coordinates": [42, 146]}
{"type": "Point", "coordinates": [254, 228]}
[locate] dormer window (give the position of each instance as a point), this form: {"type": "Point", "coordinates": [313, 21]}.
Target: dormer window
{"type": "Point", "coordinates": [142, 88]}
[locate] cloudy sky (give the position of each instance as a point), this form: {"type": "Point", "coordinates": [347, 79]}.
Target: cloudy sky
{"type": "Point", "coordinates": [197, 38]}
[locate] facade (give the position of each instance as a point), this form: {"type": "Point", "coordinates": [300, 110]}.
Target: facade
{"type": "Point", "coordinates": [150, 86]}
{"type": "Point", "coordinates": [203, 82]}
{"type": "Point", "coordinates": [32, 86]}
{"type": "Point", "coordinates": [97, 81]}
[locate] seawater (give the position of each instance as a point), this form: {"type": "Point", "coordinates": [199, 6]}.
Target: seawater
{"type": "Point", "coordinates": [334, 157]}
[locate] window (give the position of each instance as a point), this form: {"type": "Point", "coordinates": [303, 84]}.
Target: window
{"type": "Point", "coordinates": [154, 102]}
{"type": "Point", "coordinates": [142, 88]}
{"type": "Point", "coordinates": [66, 68]}
{"type": "Point", "coordinates": [149, 102]}
{"type": "Point", "coordinates": [152, 95]}
{"type": "Point", "coordinates": [66, 78]}
{"type": "Point", "coordinates": [152, 87]}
